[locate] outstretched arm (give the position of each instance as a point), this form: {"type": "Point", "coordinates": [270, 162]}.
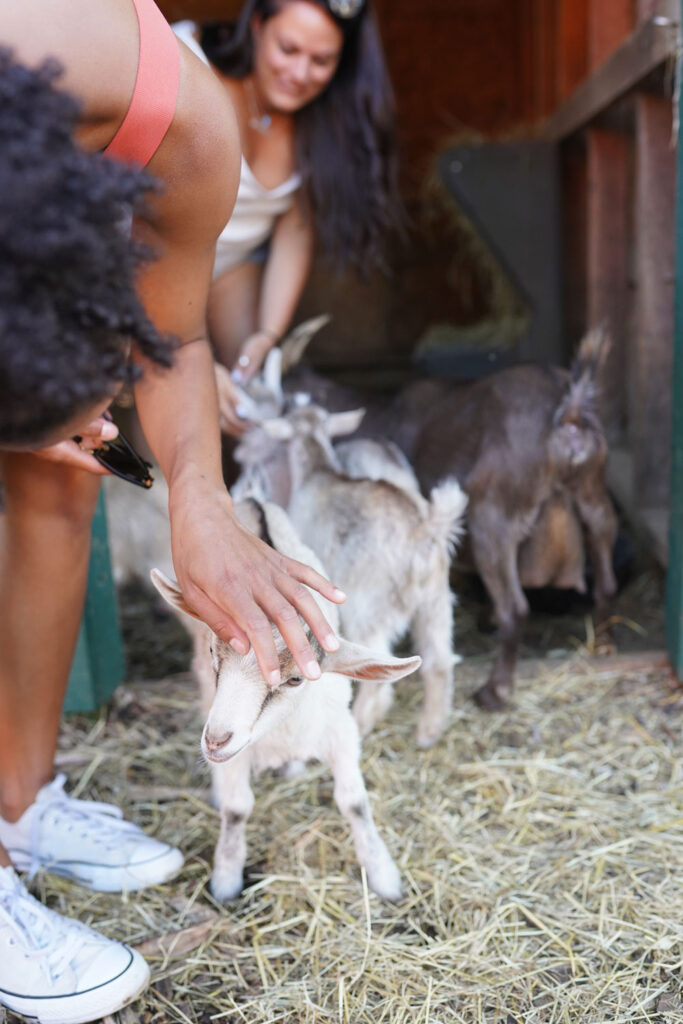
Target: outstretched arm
{"type": "Point", "coordinates": [237, 584]}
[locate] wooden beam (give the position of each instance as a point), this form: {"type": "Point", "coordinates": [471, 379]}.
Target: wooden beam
{"type": "Point", "coordinates": [650, 345]}
{"type": "Point", "coordinates": [607, 274]}
{"type": "Point", "coordinates": [609, 23]}
{"type": "Point", "coordinates": [644, 50]}
{"type": "Point", "coordinates": [572, 50]}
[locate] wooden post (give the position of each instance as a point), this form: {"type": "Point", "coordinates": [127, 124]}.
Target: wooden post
{"type": "Point", "coordinates": [609, 22]}
{"type": "Point", "coordinates": [674, 582]}
{"type": "Point", "coordinates": [651, 362]}
{"type": "Point", "coordinates": [572, 48]}
{"type": "Point", "coordinates": [607, 258]}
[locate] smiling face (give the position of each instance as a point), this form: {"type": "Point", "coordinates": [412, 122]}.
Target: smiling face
{"type": "Point", "coordinates": [296, 54]}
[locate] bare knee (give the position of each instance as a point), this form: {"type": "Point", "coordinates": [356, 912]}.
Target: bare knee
{"type": "Point", "coordinates": [35, 488]}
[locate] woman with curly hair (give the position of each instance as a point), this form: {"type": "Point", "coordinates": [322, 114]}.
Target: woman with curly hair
{"type": "Point", "coordinates": [79, 314]}
{"type": "Point", "coordinates": [315, 111]}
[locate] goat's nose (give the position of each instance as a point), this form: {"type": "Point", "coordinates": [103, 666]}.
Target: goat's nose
{"type": "Point", "coordinates": [212, 745]}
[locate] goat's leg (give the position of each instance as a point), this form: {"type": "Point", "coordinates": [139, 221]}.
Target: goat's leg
{"type": "Point", "coordinates": [352, 800]}
{"type": "Point", "coordinates": [373, 700]}
{"type": "Point", "coordinates": [432, 629]}
{"type": "Point", "coordinates": [495, 552]}
{"type": "Point", "coordinates": [597, 515]}
{"type": "Point", "coordinates": [235, 801]}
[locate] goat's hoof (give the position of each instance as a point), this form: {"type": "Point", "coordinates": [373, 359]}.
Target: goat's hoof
{"type": "Point", "coordinates": [386, 883]}
{"type": "Point", "coordinates": [226, 885]}
{"type": "Point", "coordinates": [488, 699]}
{"type": "Point", "coordinates": [426, 737]}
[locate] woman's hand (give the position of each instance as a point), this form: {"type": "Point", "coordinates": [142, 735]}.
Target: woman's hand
{"type": "Point", "coordinates": [77, 455]}
{"type": "Point", "coordinates": [232, 415]}
{"type": "Point", "coordinates": [252, 355]}
{"type": "Point", "coordinates": [238, 585]}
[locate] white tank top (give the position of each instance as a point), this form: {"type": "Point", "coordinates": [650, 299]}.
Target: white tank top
{"type": "Point", "coordinates": [256, 207]}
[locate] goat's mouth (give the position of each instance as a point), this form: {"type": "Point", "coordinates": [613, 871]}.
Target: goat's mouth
{"type": "Point", "coordinates": [221, 758]}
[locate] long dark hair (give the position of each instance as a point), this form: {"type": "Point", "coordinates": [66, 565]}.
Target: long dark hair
{"type": "Point", "coordinates": [344, 137]}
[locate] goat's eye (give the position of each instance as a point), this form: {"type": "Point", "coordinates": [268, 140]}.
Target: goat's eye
{"type": "Point", "coordinates": [294, 681]}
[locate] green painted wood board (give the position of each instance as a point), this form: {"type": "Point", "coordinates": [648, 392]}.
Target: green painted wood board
{"type": "Point", "coordinates": [674, 582]}
{"type": "Point", "coordinates": [99, 664]}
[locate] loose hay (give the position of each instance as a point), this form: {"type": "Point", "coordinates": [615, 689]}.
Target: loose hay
{"type": "Point", "coordinates": [541, 852]}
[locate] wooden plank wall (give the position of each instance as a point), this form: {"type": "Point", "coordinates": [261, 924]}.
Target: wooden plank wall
{"type": "Point", "coordinates": [619, 188]}
{"type": "Point", "coordinates": [460, 68]}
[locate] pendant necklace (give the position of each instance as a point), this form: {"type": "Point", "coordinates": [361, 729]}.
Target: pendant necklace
{"type": "Point", "coordinates": [258, 121]}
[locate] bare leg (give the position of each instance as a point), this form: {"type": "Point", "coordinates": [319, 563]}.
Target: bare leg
{"type": "Point", "coordinates": [44, 549]}
{"type": "Point", "coordinates": [233, 310]}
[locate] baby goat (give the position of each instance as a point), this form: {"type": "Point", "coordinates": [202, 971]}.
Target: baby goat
{"type": "Point", "coordinates": [251, 726]}
{"type": "Point", "coordinates": [386, 546]}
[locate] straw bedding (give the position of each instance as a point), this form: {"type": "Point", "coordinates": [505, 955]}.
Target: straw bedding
{"type": "Point", "coordinates": [541, 851]}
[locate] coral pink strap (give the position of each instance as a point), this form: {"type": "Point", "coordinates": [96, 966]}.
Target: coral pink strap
{"type": "Point", "coordinates": [155, 94]}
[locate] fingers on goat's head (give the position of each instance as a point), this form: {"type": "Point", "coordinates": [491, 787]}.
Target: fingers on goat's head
{"type": "Point", "coordinates": [245, 707]}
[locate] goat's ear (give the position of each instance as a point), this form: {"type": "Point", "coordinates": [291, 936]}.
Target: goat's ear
{"type": "Point", "coordinates": [340, 423]}
{"type": "Point", "coordinates": [296, 342]}
{"type": "Point", "coordinates": [360, 662]}
{"type": "Point", "coordinates": [278, 429]}
{"type": "Point", "coordinates": [171, 592]}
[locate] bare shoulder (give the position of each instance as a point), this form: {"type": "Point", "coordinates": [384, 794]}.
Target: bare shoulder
{"type": "Point", "coordinates": [95, 43]}
{"type": "Point", "coordinates": [198, 162]}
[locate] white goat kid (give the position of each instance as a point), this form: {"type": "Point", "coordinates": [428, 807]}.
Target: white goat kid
{"type": "Point", "coordinates": [387, 546]}
{"type": "Point", "coordinates": [251, 727]}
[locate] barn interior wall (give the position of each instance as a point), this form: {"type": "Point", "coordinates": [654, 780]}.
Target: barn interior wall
{"type": "Point", "coordinates": [461, 69]}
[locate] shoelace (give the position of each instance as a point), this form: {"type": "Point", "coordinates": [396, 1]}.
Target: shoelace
{"type": "Point", "coordinates": [101, 820]}
{"type": "Point", "coordinates": [38, 931]}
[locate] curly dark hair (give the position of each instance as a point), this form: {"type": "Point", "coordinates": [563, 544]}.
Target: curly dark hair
{"type": "Point", "coordinates": [68, 302]}
{"type": "Point", "coordinates": [345, 138]}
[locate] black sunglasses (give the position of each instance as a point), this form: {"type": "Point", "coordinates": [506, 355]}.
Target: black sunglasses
{"type": "Point", "coordinates": [121, 459]}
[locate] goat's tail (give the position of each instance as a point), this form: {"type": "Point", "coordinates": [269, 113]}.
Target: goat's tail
{"type": "Point", "coordinates": [581, 394]}
{"type": "Point", "coordinates": [447, 504]}
{"type": "Point", "coordinates": [577, 436]}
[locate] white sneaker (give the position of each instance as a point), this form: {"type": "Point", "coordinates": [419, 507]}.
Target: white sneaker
{"type": "Point", "coordinates": [54, 969]}
{"type": "Point", "coordinates": [88, 842]}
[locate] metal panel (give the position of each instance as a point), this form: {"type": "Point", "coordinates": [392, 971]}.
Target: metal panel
{"type": "Point", "coordinates": [674, 589]}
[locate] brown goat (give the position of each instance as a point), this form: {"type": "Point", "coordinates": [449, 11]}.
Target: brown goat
{"type": "Point", "coordinates": [527, 446]}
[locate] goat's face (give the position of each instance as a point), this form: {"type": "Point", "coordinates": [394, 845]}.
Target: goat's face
{"type": "Point", "coordinates": [245, 708]}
